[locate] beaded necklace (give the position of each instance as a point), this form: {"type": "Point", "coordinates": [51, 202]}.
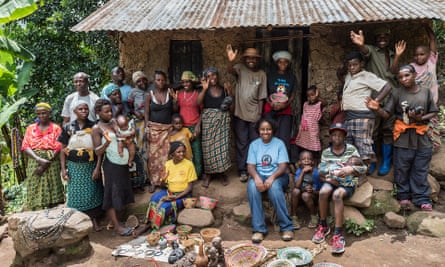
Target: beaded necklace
{"type": "Point", "coordinates": [187, 99]}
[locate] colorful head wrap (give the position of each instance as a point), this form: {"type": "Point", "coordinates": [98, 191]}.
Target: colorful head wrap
{"type": "Point", "coordinates": [209, 70]}
{"type": "Point", "coordinates": [43, 105]}
{"type": "Point", "coordinates": [110, 89]}
{"type": "Point", "coordinates": [188, 76]}
{"type": "Point", "coordinates": [137, 75]}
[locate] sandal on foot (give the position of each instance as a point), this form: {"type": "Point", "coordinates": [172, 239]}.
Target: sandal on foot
{"type": "Point", "coordinates": [296, 222]}
{"type": "Point", "coordinates": [128, 231]}
{"type": "Point", "coordinates": [426, 207]}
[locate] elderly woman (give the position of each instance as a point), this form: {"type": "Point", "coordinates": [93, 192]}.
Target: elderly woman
{"type": "Point", "coordinates": [44, 187]}
{"type": "Point", "coordinates": [267, 161]}
{"type": "Point", "coordinates": [413, 107]}
{"type": "Point", "coordinates": [215, 127]}
{"type": "Point", "coordinates": [159, 106]}
{"type": "Point", "coordinates": [79, 165]}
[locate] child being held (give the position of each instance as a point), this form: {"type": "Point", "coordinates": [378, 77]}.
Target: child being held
{"type": "Point", "coordinates": [335, 171]}
{"type": "Point", "coordinates": [307, 184]}
{"type": "Point", "coordinates": [181, 134]}
{"type": "Point", "coordinates": [125, 132]}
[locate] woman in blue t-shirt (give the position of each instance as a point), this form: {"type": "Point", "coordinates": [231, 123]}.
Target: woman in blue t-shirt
{"type": "Point", "coordinates": [267, 161]}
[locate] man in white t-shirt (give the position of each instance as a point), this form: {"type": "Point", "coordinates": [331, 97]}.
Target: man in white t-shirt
{"type": "Point", "coordinates": [81, 83]}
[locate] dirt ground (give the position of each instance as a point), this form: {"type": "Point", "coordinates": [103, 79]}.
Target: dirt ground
{"type": "Point", "coordinates": [382, 247]}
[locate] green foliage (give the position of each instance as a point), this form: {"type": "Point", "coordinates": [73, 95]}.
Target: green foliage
{"type": "Point", "coordinates": [60, 53]}
{"type": "Point", "coordinates": [358, 229]}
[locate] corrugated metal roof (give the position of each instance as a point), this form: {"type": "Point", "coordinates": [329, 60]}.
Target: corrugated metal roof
{"type": "Point", "coordinates": [153, 15]}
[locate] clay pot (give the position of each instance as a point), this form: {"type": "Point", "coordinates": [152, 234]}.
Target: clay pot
{"type": "Point", "coordinates": [153, 238]}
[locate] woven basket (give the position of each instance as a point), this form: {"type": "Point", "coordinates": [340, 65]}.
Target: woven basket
{"type": "Point", "coordinates": [209, 233]}
{"type": "Point", "coordinates": [189, 202]}
{"type": "Point", "coordinates": [207, 203]}
{"type": "Point", "coordinates": [245, 255]}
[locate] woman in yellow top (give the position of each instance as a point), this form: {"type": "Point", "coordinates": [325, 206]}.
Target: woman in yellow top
{"type": "Point", "coordinates": [179, 174]}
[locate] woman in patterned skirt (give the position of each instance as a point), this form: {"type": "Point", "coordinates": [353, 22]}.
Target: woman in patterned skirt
{"type": "Point", "coordinates": [79, 165]}
{"type": "Point", "coordinates": [44, 186]}
{"type": "Point", "coordinates": [215, 121]}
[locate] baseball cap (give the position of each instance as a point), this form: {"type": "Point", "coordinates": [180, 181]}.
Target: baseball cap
{"type": "Point", "coordinates": [338, 126]}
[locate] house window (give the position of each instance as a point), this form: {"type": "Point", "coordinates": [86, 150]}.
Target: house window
{"type": "Point", "coordinates": [184, 55]}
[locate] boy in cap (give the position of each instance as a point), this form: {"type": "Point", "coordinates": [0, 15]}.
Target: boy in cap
{"type": "Point", "coordinates": [381, 61]}
{"type": "Point", "coordinates": [338, 152]}
{"type": "Point", "coordinates": [250, 93]}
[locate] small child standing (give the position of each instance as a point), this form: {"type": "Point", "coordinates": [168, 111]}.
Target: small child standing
{"type": "Point", "coordinates": [306, 185]}
{"type": "Point", "coordinates": [308, 136]}
{"type": "Point", "coordinates": [181, 134]}
{"type": "Point", "coordinates": [125, 132]}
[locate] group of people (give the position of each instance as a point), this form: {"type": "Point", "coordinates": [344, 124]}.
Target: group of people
{"type": "Point", "coordinates": [109, 145]}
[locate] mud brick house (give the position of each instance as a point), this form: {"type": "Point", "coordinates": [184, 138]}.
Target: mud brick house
{"type": "Point", "coordinates": [177, 35]}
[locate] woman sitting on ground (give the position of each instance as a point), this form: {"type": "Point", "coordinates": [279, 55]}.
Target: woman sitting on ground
{"type": "Point", "coordinates": [179, 175]}
{"type": "Point", "coordinates": [267, 161]}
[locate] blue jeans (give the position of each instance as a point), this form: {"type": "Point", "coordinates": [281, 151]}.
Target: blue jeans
{"type": "Point", "coordinates": [276, 197]}
{"type": "Point", "coordinates": [411, 168]}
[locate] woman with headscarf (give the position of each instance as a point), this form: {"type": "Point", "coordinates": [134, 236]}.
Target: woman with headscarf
{"type": "Point", "coordinates": [215, 121]}
{"type": "Point", "coordinates": [190, 112]}
{"type": "Point", "coordinates": [178, 176]}
{"type": "Point", "coordinates": [79, 166]}
{"type": "Point", "coordinates": [44, 186]}
{"type": "Point", "coordinates": [114, 95]}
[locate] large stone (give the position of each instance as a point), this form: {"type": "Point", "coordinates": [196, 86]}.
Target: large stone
{"type": "Point", "coordinates": [435, 188]}
{"type": "Point", "coordinates": [381, 184]}
{"type": "Point", "coordinates": [437, 168]}
{"type": "Point", "coordinates": [242, 214]}
{"type": "Point", "coordinates": [353, 214]}
{"type": "Point", "coordinates": [427, 223]}
{"type": "Point", "coordinates": [60, 233]}
{"type": "Point", "coordinates": [393, 220]}
{"type": "Point", "coordinates": [196, 217]}
{"type": "Point", "coordinates": [381, 203]}
{"type": "Point", "coordinates": [361, 197]}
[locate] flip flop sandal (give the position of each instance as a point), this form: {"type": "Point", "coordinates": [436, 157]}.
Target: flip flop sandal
{"type": "Point", "coordinates": [128, 231]}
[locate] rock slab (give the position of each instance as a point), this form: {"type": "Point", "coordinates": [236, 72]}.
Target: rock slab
{"type": "Point", "coordinates": [196, 217]}
{"type": "Point", "coordinates": [59, 234]}
{"type": "Point", "coordinates": [361, 197]}
{"type": "Point", "coordinates": [393, 220]}
{"type": "Point", "coordinates": [427, 223]}
{"type": "Point", "coordinates": [382, 202]}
